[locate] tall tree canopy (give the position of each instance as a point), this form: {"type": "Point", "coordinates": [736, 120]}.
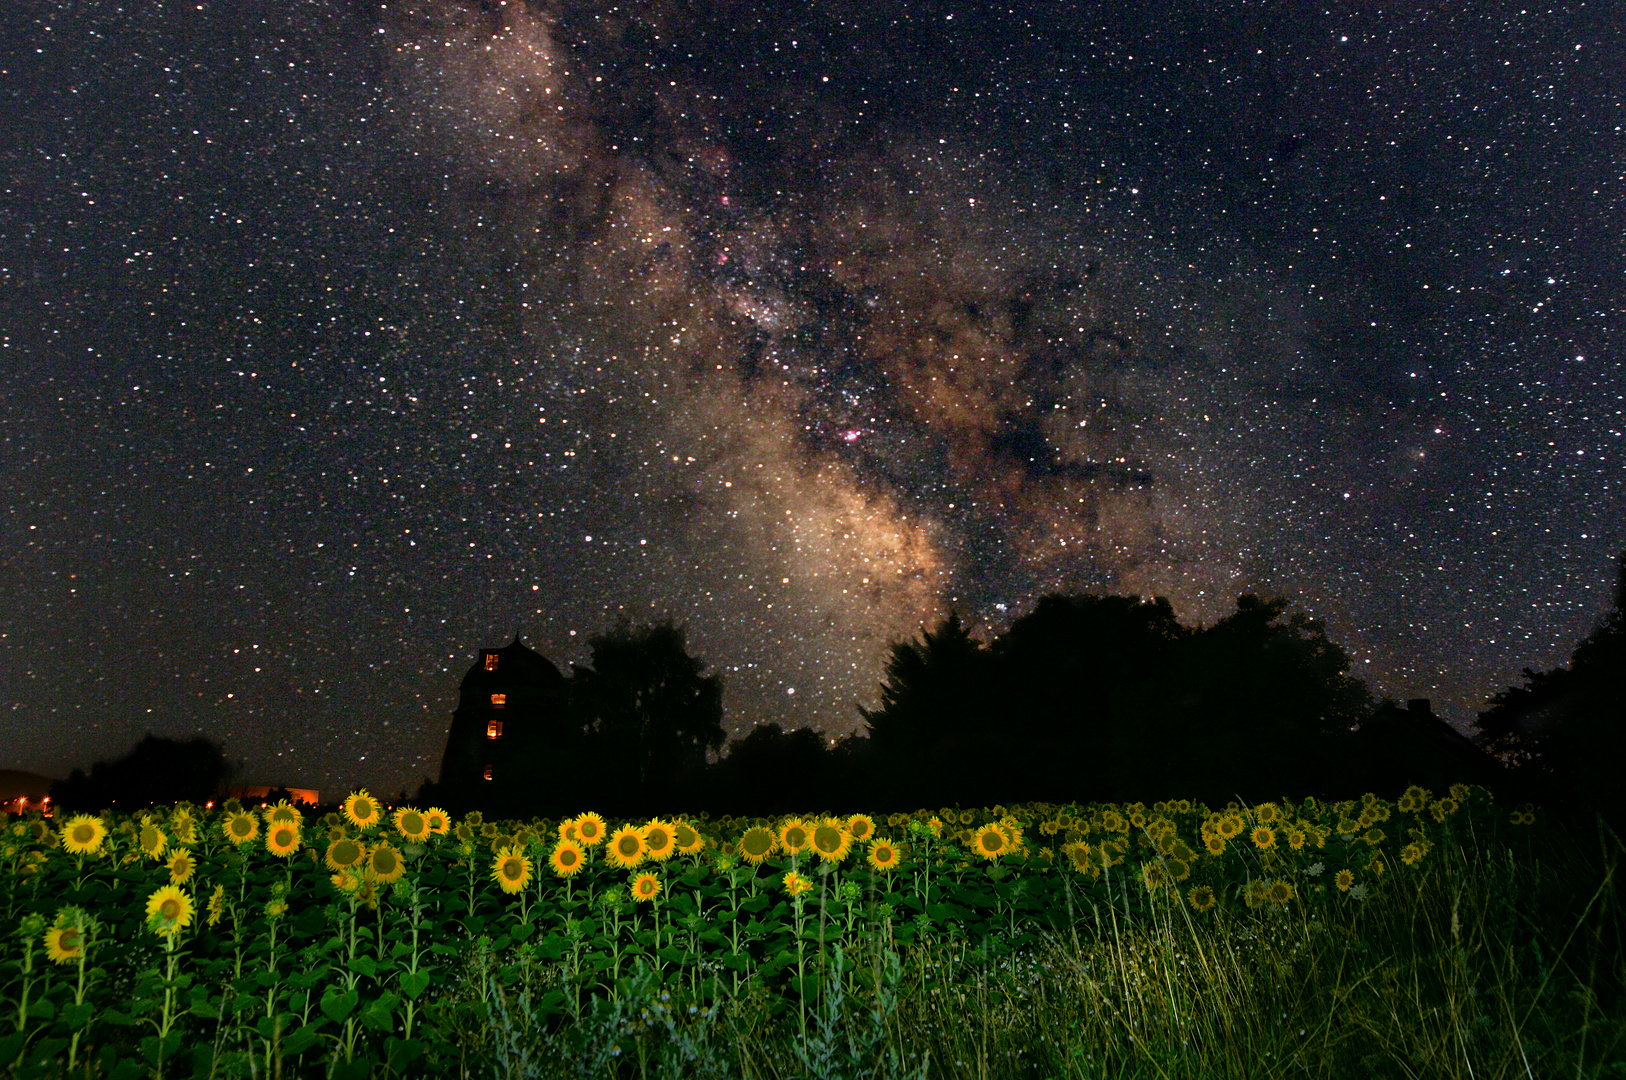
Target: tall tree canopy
{"type": "Point", "coordinates": [1104, 696]}
{"type": "Point", "coordinates": [1564, 730]}
{"type": "Point", "coordinates": [647, 712]}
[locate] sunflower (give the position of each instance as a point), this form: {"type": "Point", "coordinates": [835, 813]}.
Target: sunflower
{"type": "Point", "coordinates": [862, 826]}
{"type": "Point", "coordinates": [567, 859]}
{"type": "Point", "coordinates": [169, 910]}
{"type": "Point", "coordinates": [590, 829]}
{"type": "Point", "coordinates": [83, 835]}
{"type": "Point", "coordinates": [1080, 853]}
{"type": "Point", "coordinates": [626, 848]}
{"type": "Point", "coordinates": [757, 844]}
{"type": "Point", "coordinates": [217, 904]}
{"type": "Point", "coordinates": [1373, 837]}
{"type": "Point", "coordinates": [439, 822]}
{"type": "Point", "coordinates": [1267, 813]}
{"type": "Point", "coordinates": [385, 864]}
{"type": "Point", "coordinates": [1343, 879]}
{"type": "Point", "coordinates": [344, 853]}
{"type": "Point", "coordinates": [362, 809]}
{"type": "Point", "coordinates": [181, 867]}
{"type": "Point", "coordinates": [346, 882]}
{"type": "Point", "coordinates": [567, 829]}
{"type": "Point", "coordinates": [412, 824]}
{"type": "Point", "coordinates": [184, 827]}
{"type": "Point", "coordinates": [1215, 845]}
{"type": "Point", "coordinates": [689, 840]}
{"type": "Point", "coordinates": [1280, 892]}
{"type": "Point", "coordinates": [831, 841]}
{"type": "Point", "coordinates": [240, 827]}
{"type": "Point", "coordinates": [1411, 854]}
{"type": "Point", "coordinates": [152, 840]}
{"type": "Point", "coordinates": [794, 836]}
{"type": "Point", "coordinates": [990, 842]}
{"type": "Point", "coordinates": [1295, 839]}
{"type": "Point", "coordinates": [64, 943]}
{"type": "Point", "coordinates": [1228, 826]}
{"type": "Point", "coordinates": [645, 887]}
{"type": "Point", "coordinates": [796, 884]}
{"type": "Point", "coordinates": [1264, 838]}
{"type": "Point", "coordinates": [511, 870]}
{"type": "Point", "coordinates": [1201, 897]}
{"type": "Point", "coordinates": [282, 840]}
{"type": "Point", "coordinates": [883, 855]}
{"type": "Point", "coordinates": [1348, 827]}
{"type": "Point", "coordinates": [283, 813]}
{"type": "Point", "coordinates": [660, 839]}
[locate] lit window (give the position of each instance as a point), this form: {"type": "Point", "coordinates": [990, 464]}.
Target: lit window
{"type": "Point", "coordinates": [491, 661]}
{"type": "Point", "coordinates": [494, 729]}
{"type": "Point", "coordinates": [499, 700]}
{"type": "Point", "coordinates": [487, 774]}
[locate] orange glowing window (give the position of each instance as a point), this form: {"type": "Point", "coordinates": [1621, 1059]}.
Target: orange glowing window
{"type": "Point", "coordinates": [487, 774]}
{"type": "Point", "coordinates": [494, 729]}
{"type": "Point", "coordinates": [499, 700]}
{"type": "Point", "coordinates": [491, 661]}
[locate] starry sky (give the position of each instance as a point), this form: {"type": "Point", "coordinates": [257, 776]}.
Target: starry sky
{"type": "Point", "coordinates": [340, 339]}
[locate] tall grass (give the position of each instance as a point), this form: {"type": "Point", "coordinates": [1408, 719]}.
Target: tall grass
{"type": "Point", "coordinates": [1495, 963]}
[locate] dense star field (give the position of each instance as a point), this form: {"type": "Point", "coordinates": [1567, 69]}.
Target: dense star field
{"type": "Point", "coordinates": [339, 340]}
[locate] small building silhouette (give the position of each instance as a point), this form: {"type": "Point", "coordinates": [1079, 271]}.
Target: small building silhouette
{"type": "Point", "coordinates": [510, 699]}
{"type": "Point", "coordinates": [1408, 746]}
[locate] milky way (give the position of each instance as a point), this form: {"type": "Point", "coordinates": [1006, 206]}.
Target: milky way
{"type": "Point", "coordinates": [341, 341]}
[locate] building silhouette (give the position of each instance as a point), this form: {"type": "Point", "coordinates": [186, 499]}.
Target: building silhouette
{"type": "Point", "coordinates": [510, 700]}
{"type": "Point", "coordinates": [1399, 747]}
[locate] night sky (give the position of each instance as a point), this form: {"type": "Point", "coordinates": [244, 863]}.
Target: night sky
{"type": "Point", "coordinates": [338, 340]}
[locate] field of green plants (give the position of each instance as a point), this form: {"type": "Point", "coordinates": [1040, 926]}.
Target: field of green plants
{"type": "Point", "coordinates": [1437, 934]}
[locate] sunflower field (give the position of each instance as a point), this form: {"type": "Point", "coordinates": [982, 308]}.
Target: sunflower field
{"type": "Point", "coordinates": [379, 941]}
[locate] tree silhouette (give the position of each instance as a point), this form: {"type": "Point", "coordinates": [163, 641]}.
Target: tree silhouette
{"type": "Point", "coordinates": [1110, 697]}
{"type": "Point", "coordinates": [936, 723]}
{"type": "Point", "coordinates": [771, 771]}
{"type": "Point", "coordinates": [647, 713]}
{"type": "Point", "coordinates": [156, 770]}
{"type": "Point", "coordinates": [1077, 676]}
{"type": "Point", "coordinates": [1564, 731]}
{"type": "Point", "coordinates": [1256, 706]}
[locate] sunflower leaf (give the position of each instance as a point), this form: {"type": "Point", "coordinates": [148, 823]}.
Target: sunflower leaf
{"type": "Point", "coordinates": [300, 1041]}
{"type": "Point", "coordinates": [414, 983]}
{"type": "Point", "coordinates": [337, 1006]}
{"type": "Point", "coordinates": [200, 1007]}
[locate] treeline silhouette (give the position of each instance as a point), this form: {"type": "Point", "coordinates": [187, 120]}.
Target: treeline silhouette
{"type": "Point", "coordinates": [1085, 697]}
{"type": "Point", "coordinates": [157, 770]}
